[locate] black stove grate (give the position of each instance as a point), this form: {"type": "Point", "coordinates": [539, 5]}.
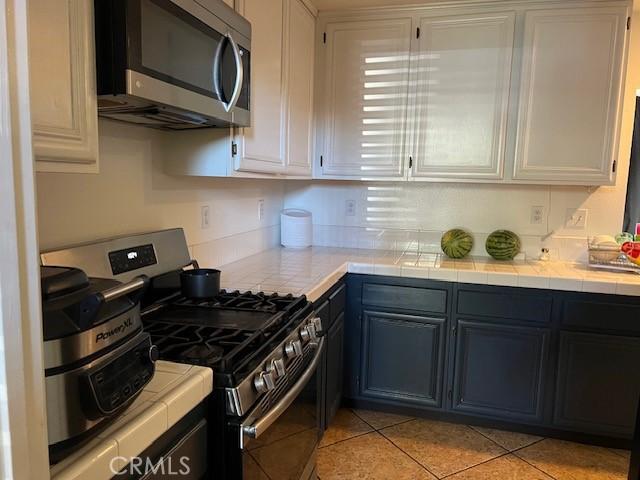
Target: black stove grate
{"type": "Point", "coordinates": [232, 333]}
{"type": "Point", "coordinates": [262, 302]}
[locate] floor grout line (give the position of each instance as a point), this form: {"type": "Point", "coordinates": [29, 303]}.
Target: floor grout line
{"type": "Point", "coordinates": [516, 452]}
{"type": "Point", "coordinates": [528, 462]}
{"type": "Point", "coordinates": [381, 428]}
{"type": "Point", "coordinates": [506, 453]}
{"type": "Point", "coordinates": [513, 452]}
{"type": "Point", "coordinates": [502, 446]}
{"type": "Point", "coordinates": [347, 439]}
{"type": "Point", "coordinates": [411, 457]}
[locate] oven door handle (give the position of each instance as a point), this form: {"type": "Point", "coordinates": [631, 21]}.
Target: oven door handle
{"type": "Point", "coordinates": [258, 427]}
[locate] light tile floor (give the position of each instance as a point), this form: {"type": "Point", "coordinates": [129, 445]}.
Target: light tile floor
{"type": "Point", "coordinates": [369, 445]}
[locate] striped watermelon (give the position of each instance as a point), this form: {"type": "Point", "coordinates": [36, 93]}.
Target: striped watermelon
{"type": "Point", "coordinates": [503, 245]}
{"type": "Point", "coordinates": [456, 243]}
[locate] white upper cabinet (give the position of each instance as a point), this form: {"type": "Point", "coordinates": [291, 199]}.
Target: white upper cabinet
{"type": "Point", "coordinates": [262, 146]}
{"type": "Point", "coordinates": [461, 72]}
{"type": "Point", "coordinates": [282, 56]}
{"type": "Point", "coordinates": [63, 85]}
{"type": "Point", "coordinates": [299, 111]}
{"type": "Point", "coordinates": [364, 99]}
{"type": "Point", "coordinates": [569, 105]}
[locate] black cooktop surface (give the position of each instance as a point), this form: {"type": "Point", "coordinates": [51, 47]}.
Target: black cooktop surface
{"type": "Point", "coordinates": [230, 333]}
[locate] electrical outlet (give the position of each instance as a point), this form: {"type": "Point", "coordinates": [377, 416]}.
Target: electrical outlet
{"type": "Point", "coordinates": [537, 215]}
{"type": "Point", "coordinates": [204, 217]}
{"type": "Point", "coordinates": [260, 209]}
{"type": "Point", "coordinates": [577, 218]}
{"type": "Point", "coordinates": [350, 208]}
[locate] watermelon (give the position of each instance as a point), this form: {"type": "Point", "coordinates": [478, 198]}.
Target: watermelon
{"type": "Point", "coordinates": [456, 243]}
{"type": "Point", "coordinates": [503, 245]}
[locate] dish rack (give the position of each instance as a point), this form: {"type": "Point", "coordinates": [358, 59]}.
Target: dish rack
{"type": "Point", "coordinates": [610, 258]}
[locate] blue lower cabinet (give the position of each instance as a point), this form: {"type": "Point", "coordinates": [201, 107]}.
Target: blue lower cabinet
{"type": "Point", "coordinates": [597, 387]}
{"type": "Point", "coordinates": [500, 370]}
{"type": "Point", "coordinates": [402, 358]}
{"type": "Point", "coordinates": [562, 362]}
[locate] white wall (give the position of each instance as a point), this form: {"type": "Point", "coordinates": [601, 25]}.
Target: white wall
{"type": "Point", "coordinates": [132, 194]}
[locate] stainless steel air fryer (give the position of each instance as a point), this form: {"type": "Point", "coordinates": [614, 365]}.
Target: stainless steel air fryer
{"type": "Point", "coordinates": [97, 358]}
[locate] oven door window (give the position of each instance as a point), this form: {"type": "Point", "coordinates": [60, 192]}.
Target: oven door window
{"type": "Point", "coordinates": [176, 47]}
{"type": "Point", "coordinates": [287, 450]}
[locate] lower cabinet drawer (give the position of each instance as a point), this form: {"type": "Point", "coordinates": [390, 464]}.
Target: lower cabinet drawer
{"type": "Point", "coordinates": [598, 386]}
{"type": "Point", "coordinates": [403, 358]}
{"type": "Point", "coordinates": [500, 370]}
{"type": "Point", "coordinates": [504, 303]}
{"type": "Point", "coordinates": [406, 298]}
{"type": "Point", "coordinates": [606, 313]}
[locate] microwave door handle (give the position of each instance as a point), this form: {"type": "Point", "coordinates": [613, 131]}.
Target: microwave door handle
{"type": "Point", "coordinates": [257, 428]}
{"type": "Point", "coordinates": [239, 74]}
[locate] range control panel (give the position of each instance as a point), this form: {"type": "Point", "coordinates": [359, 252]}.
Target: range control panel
{"type": "Point", "coordinates": [132, 258]}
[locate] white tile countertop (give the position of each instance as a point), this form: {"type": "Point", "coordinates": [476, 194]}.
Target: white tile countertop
{"type": "Point", "coordinates": [174, 390]}
{"type": "Point", "coordinates": [313, 270]}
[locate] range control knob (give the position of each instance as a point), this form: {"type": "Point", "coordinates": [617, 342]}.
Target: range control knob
{"type": "Point", "coordinates": [305, 334]}
{"type": "Point", "coordinates": [264, 382]}
{"type": "Point", "coordinates": [277, 368]}
{"type": "Point", "coordinates": [317, 324]}
{"type": "Point", "coordinates": [293, 349]}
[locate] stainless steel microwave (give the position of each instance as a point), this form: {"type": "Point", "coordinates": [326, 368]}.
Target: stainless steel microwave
{"type": "Point", "coordinates": [173, 64]}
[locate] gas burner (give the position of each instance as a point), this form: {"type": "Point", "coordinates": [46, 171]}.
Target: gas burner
{"type": "Point", "coordinates": [201, 354]}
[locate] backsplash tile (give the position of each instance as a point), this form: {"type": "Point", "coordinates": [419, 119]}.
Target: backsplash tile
{"type": "Point", "coordinates": [235, 247]}
{"type": "Point", "coordinates": [412, 216]}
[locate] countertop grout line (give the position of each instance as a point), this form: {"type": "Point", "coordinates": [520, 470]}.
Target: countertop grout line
{"type": "Point", "coordinates": [408, 455]}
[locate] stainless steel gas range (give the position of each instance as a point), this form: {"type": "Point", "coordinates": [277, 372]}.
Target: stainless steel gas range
{"type": "Point", "coordinates": [264, 350]}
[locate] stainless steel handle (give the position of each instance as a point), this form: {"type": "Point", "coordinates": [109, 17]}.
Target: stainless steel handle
{"type": "Point", "coordinates": [260, 426]}
{"type": "Point", "coordinates": [116, 292]}
{"type": "Point", "coordinates": [239, 75]}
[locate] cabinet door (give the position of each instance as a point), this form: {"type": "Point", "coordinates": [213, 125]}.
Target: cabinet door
{"type": "Point", "coordinates": [262, 146]}
{"type": "Point", "coordinates": [402, 358]}
{"type": "Point", "coordinates": [597, 390]}
{"type": "Point", "coordinates": [569, 105]}
{"type": "Point", "coordinates": [365, 93]}
{"type": "Point", "coordinates": [300, 58]}
{"type": "Point", "coordinates": [499, 370]}
{"type": "Point", "coordinates": [462, 75]}
{"type": "Point", "coordinates": [334, 372]}
{"type": "Point", "coordinates": [64, 108]}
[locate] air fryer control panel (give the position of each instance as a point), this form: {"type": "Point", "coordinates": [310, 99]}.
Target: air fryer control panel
{"type": "Point", "coordinates": [116, 383]}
